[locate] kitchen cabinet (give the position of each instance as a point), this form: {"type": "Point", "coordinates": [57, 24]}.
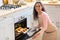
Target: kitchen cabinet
{"type": "Point", "coordinates": [2, 30]}
{"type": "Point", "coordinates": [7, 28]}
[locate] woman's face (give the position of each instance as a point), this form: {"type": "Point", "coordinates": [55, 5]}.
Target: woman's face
{"type": "Point", "coordinates": [38, 7]}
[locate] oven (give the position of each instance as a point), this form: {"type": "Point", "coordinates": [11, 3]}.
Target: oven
{"type": "Point", "coordinates": [22, 32]}
{"type": "Point", "coordinates": [20, 29]}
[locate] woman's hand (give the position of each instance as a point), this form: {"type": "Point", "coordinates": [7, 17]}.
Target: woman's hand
{"type": "Point", "coordinates": [35, 36]}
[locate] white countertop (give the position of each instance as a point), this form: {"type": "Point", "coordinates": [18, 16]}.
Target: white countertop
{"type": "Point", "coordinates": [5, 12]}
{"type": "Point", "coordinates": [57, 3]}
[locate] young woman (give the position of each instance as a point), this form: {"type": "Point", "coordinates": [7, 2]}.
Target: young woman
{"type": "Point", "coordinates": [48, 29]}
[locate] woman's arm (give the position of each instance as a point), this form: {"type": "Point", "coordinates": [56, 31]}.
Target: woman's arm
{"type": "Point", "coordinates": [45, 23]}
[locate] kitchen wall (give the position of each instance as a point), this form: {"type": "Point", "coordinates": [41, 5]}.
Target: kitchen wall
{"type": "Point", "coordinates": [54, 13]}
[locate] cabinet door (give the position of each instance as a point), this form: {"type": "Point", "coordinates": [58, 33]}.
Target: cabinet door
{"type": "Point", "coordinates": [29, 20]}
{"type": "Point", "coordinates": [2, 30]}
{"type": "Point", "coordinates": [7, 29]}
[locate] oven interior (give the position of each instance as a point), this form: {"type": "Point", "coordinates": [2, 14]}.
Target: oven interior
{"type": "Point", "coordinates": [20, 28]}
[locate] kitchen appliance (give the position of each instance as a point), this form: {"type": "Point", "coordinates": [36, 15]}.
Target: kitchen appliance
{"type": "Point", "coordinates": [22, 32]}
{"type": "Point", "coordinates": [5, 2]}
{"type": "Point", "coordinates": [9, 6]}
{"type": "Point", "coordinates": [19, 29]}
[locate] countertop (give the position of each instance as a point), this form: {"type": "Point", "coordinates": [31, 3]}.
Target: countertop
{"type": "Point", "coordinates": [56, 3]}
{"type": "Point", "coordinates": [5, 12]}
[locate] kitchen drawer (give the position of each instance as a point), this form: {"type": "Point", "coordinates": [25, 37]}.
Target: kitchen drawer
{"type": "Point", "coordinates": [8, 16]}
{"type": "Point", "coordinates": [5, 16]}
{"type": "Point", "coordinates": [7, 29]}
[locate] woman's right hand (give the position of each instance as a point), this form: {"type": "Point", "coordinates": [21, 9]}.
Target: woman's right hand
{"type": "Point", "coordinates": [36, 35]}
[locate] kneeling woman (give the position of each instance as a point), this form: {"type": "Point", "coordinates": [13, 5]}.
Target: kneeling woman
{"type": "Point", "coordinates": [48, 29]}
